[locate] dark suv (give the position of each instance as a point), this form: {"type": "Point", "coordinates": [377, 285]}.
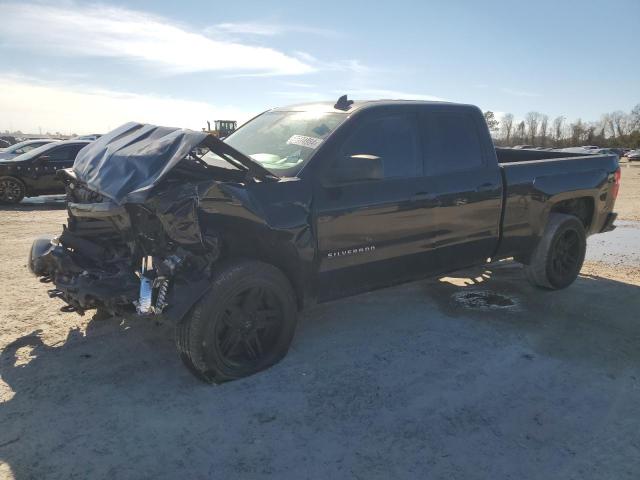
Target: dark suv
{"type": "Point", "coordinates": [34, 173]}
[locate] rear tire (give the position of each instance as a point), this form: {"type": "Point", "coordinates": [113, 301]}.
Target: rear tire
{"type": "Point", "coordinates": [244, 323]}
{"type": "Point", "coordinates": [12, 190]}
{"type": "Point", "coordinates": [558, 257]}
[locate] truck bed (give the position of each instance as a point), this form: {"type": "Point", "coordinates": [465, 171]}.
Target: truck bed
{"type": "Point", "coordinates": [537, 182]}
{"type": "Point", "coordinates": [511, 155]}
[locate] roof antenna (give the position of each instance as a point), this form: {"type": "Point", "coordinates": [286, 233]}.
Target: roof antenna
{"type": "Point", "coordinates": [343, 103]}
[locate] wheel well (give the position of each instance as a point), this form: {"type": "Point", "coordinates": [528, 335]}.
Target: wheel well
{"type": "Point", "coordinates": [11, 177]}
{"type": "Point", "coordinates": [579, 207]}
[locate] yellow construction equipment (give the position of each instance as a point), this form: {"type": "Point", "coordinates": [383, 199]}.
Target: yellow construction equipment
{"type": "Point", "coordinates": [221, 128]}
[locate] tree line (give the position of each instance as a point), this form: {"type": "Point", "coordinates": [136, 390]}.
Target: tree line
{"type": "Point", "coordinates": [615, 129]}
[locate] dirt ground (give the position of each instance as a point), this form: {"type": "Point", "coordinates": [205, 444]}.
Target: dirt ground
{"type": "Point", "coordinates": [628, 204]}
{"type": "Point", "coordinates": [426, 380]}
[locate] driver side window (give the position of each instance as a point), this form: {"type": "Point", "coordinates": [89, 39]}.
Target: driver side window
{"type": "Point", "coordinates": [393, 139]}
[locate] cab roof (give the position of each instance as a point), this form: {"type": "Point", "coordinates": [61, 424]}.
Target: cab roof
{"type": "Point", "coordinates": [330, 107]}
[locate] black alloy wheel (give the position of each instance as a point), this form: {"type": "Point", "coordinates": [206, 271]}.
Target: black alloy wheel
{"type": "Point", "coordinates": [243, 324]}
{"type": "Point", "coordinates": [557, 259]}
{"type": "Point", "coordinates": [565, 256]}
{"type": "Point", "coordinates": [250, 328]}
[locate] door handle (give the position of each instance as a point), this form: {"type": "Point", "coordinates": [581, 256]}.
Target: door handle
{"type": "Point", "coordinates": [428, 198]}
{"type": "Point", "coordinates": [485, 187]}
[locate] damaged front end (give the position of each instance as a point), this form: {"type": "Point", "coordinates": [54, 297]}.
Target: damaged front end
{"type": "Point", "coordinates": [121, 259]}
{"type": "Point", "coordinates": [133, 243]}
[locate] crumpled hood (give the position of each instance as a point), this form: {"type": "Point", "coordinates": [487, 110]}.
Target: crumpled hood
{"type": "Point", "coordinates": [127, 162]}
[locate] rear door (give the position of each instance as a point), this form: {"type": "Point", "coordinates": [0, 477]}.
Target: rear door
{"type": "Point", "coordinates": [461, 172]}
{"type": "Point", "coordinates": [367, 230]}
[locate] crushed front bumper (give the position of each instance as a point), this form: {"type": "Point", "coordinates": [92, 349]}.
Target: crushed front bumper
{"type": "Point", "coordinates": [121, 292]}
{"type": "Point", "coordinates": [80, 287]}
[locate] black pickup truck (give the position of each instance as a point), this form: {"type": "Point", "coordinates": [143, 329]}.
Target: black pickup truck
{"type": "Point", "coordinates": [306, 204]}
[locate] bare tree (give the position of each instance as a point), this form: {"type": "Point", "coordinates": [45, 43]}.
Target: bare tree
{"type": "Point", "coordinates": [635, 118]}
{"type": "Point", "coordinates": [619, 121]}
{"type": "Point", "coordinates": [590, 132]}
{"type": "Point", "coordinates": [532, 120]}
{"type": "Point", "coordinates": [557, 128]}
{"type": "Point", "coordinates": [544, 126]}
{"type": "Point", "coordinates": [492, 123]}
{"type": "Point", "coordinates": [577, 131]}
{"type": "Point", "coordinates": [608, 124]}
{"type": "Point", "coordinates": [520, 131]}
{"type": "Point", "coordinates": [507, 126]}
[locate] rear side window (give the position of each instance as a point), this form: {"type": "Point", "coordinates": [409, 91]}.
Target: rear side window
{"type": "Point", "coordinates": [392, 138]}
{"type": "Point", "coordinates": [64, 154]}
{"type": "Point", "coordinates": [451, 142]}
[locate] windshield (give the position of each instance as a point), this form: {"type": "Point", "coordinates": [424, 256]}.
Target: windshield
{"type": "Point", "coordinates": [282, 142]}
{"type": "Point", "coordinates": [24, 147]}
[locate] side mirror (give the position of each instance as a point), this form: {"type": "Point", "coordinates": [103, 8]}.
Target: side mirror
{"type": "Point", "coordinates": [41, 160]}
{"type": "Point", "coordinates": [355, 168]}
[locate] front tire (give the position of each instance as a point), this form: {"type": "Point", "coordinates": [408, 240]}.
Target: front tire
{"type": "Point", "coordinates": [244, 323]}
{"type": "Point", "coordinates": [12, 190]}
{"type": "Point", "coordinates": [558, 257]}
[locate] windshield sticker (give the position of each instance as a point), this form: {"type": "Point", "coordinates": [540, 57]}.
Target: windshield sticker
{"type": "Point", "coordinates": [304, 141]}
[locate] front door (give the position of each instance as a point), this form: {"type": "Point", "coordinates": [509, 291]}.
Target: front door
{"type": "Point", "coordinates": [367, 230]}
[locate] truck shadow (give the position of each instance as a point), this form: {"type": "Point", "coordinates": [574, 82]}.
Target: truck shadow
{"type": "Point", "coordinates": [593, 321]}
{"type": "Point", "coordinates": [115, 401]}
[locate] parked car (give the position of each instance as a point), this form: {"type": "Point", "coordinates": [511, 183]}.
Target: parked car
{"type": "Point", "coordinates": [9, 140]}
{"type": "Point", "coordinates": [605, 151]}
{"type": "Point", "coordinates": [618, 151]}
{"type": "Point", "coordinates": [34, 173]}
{"type": "Point", "coordinates": [307, 204]}
{"type": "Point", "coordinates": [633, 155]}
{"type": "Point", "coordinates": [579, 150]}
{"type": "Point", "coordinates": [23, 147]}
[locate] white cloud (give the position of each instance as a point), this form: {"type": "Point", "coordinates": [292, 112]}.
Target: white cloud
{"type": "Point", "coordinates": [299, 85]}
{"type": "Point", "coordinates": [27, 105]}
{"type": "Point", "coordinates": [352, 65]}
{"type": "Point", "coordinates": [266, 29]}
{"type": "Point", "coordinates": [375, 93]}
{"type": "Point", "coordinates": [103, 31]}
{"type": "Point", "coordinates": [300, 96]}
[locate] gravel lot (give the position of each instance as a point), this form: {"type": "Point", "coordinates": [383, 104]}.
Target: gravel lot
{"type": "Point", "coordinates": [476, 375]}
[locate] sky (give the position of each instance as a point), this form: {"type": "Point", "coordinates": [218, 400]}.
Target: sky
{"type": "Point", "coordinates": [82, 67]}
